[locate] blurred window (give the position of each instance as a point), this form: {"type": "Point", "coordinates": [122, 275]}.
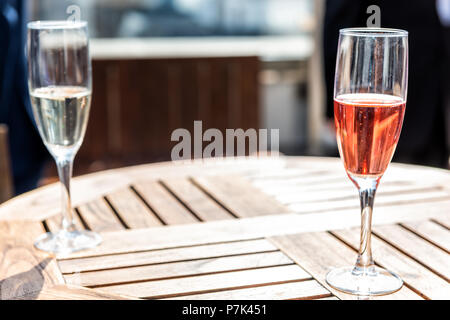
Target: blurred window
{"type": "Point", "coordinates": [171, 18]}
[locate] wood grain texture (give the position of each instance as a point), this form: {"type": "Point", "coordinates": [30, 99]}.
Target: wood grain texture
{"type": "Point", "coordinates": [164, 204]}
{"type": "Point", "coordinates": [165, 256]}
{"type": "Point", "coordinates": [203, 206]}
{"type": "Point", "coordinates": [425, 282]}
{"type": "Point", "coordinates": [27, 231]}
{"type": "Point", "coordinates": [326, 176]}
{"type": "Point", "coordinates": [249, 228]}
{"type": "Point", "coordinates": [326, 179]}
{"type": "Point", "coordinates": [239, 196]}
{"type": "Point", "coordinates": [99, 216]}
{"type": "Point", "coordinates": [210, 283]}
{"type": "Point", "coordinates": [205, 251]}
{"type": "Point", "coordinates": [430, 231]}
{"type": "Point", "coordinates": [381, 201]}
{"type": "Point", "coordinates": [302, 194]}
{"type": "Point", "coordinates": [282, 173]}
{"type": "Point", "coordinates": [427, 254]}
{"type": "Point", "coordinates": [305, 290]}
{"type": "Point", "coordinates": [319, 252]}
{"type": "Point", "coordinates": [38, 205]}
{"type": "Point", "coordinates": [329, 298]}
{"type": "Point", "coordinates": [24, 270]}
{"type": "Point", "coordinates": [222, 91]}
{"type": "Point", "coordinates": [54, 223]}
{"type": "Point", "coordinates": [70, 292]}
{"type": "Point", "coordinates": [45, 202]}
{"type": "Point", "coordinates": [132, 210]}
{"type": "Point", "coordinates": [443, 220]}
{"type": "Point", "coordinates": [177, 269]}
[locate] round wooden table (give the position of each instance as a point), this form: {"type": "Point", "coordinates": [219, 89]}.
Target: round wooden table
{"type": "Point", "coordinates": [248, 228]}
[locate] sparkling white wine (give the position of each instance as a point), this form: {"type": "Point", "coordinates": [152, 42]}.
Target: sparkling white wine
{"type": "Point", "coordinates": [61, 114]}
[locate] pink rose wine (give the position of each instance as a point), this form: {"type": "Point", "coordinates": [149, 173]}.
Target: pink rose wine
{"type": "Point", "coordinates": [368, 127]}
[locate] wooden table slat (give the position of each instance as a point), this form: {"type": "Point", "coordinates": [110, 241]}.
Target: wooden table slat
{"type": "Point", "coordinates": [54, 223]}
{"type": "Point", "coordinates": [99, 216]}
{"type": "Point", "coordinates": [132, 210]}
{"type": "Point", "coordinates": [309, 289]}
{"type": "Point", "coordinates": [414, 274]}
{"type": "Point", "coordinates": [45, 202]}
{"type": "Point", "coordinates": [69, 292]}
{"type": "Point", "coordinates": [26, 231]}
{"type": "Point", "coordinates": [204, 207]}
{"type": "Point", "coordinates": [229, 229]}
{"type": "Point", "coordinates": [380, 201]}
{"type": "Point", "coordinates": [164, 204]}
{"type": "Point", "coordinates": [247, 228]}
{"type": "Point", "coordinates": [424, 252]}
{"type": "Point", "coordinates": [329, 298]}
{"type": "Point", "coordinates": [210, 283]}
{"type": "Point", "coordinates": [285, 171]}
{"type": "Point", "coordinates": [178, 269]}
{"type": "Point", "coordinates": [239, 196]}
{"type": "Point", "coordinates": [350, 193]}
{"type": "Point", "coordinates": [319, 252]}
{"type": "Point", "coordinates": [319, 177]}
{"type": "Point", "coordinates": [24, 270]}
{"type": "Point", "coordinates": [443, 220]}
{"type": "Point", "coordinates": [431, 231]}
{"type": "Point", "coordinates": [166, 256]}
{"type": "Point", "coordinates": [337, 185]}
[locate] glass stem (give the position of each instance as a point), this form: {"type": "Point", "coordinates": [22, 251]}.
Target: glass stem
{"type": "Point", "coordinates": [65, 173]}
{"type": "Point", "coordinates": [367, 188]}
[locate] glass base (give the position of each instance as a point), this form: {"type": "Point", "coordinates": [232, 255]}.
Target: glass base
{"type": "Point", "coordinates": [365, 282]}
{"type": "Point", "coordinates": [65, 242]}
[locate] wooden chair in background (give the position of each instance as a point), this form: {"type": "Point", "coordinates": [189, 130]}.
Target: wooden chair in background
{"type": "Point", "coordinates": [137, 103]}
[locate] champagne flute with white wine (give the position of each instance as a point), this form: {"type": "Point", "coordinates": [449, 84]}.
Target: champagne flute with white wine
{"type": "Point", "coordinates": [60, 85]}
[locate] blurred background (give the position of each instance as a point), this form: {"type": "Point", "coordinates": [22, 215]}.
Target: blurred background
{"type": "Point", "coordinates": [159, 65]}
{"type": "Point", "coordinates": [229, 63]}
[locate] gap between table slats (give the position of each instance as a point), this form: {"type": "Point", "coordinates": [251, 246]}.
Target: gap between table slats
{"type": "Point", "coordinates": [417, 275]}
{"type": "Point", "coordinates": [443, 220]}
{"type": "Point", "coordinates": [319, 252]}
{"type": "Point", "coordinates": [144, 206]}
{"type": "Point", "coordinates": [100, 217]}
{"type": "Point", "coordinates": [430, 231]}
{"type": "Point", "coordinates": [131, 209]}
{"type": "Point", "coordinates": [160, 256]}
{"type": "Point", "coordinates": [168, 208]}
{"type": "Point", "coordinates": [198, 201]}
{"type": "Point", "coordinates": [417, 248]}
{"type": "Point", "coordinates": [308, 289]}
{"type": "Point", "coordinates": [172, 270]}
{"type": "Point", "coordinates": [211, 283]}
{"type": "Point", "coordinates": [138, 240]}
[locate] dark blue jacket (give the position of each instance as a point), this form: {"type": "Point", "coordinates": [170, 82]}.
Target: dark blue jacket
{"type": "Point", "coordinates": [28, 153]}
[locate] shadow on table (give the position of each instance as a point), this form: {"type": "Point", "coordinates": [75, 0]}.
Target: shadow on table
{"type": "Point", "coordinates": [25, 285]}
